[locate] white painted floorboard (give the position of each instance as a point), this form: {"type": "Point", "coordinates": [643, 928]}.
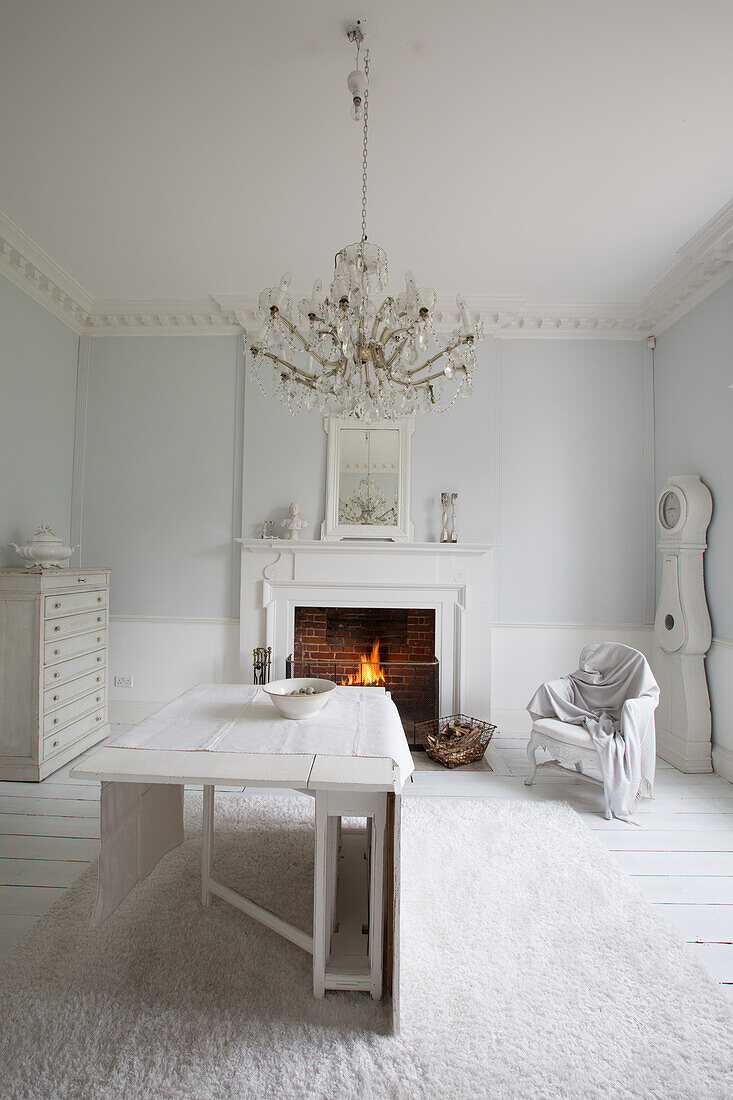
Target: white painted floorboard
{"type": "Point", "coordinates": [681, 857]}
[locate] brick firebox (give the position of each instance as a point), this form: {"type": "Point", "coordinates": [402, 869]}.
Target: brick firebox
{"type": "Point", "coordinates": [333, 641]}
{"type": "Point", "coordinates": [344, 633]}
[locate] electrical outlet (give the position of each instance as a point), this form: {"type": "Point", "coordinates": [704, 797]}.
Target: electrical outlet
{"type": "Point", "coordinates": [123, 681]}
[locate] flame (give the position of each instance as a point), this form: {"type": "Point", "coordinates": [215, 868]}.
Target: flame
{"type": "Point", "coordinates": [369, 672]}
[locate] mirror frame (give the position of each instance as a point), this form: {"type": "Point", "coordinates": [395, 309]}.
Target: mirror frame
{"type": "Point", "coordinates": [331, 529]}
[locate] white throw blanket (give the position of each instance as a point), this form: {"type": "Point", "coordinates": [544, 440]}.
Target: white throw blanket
{"type": "Point", "coordinates": [614, 695]}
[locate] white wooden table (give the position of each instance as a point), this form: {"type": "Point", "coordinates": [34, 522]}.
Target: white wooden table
{"type": "Point", "coordinates": [363, 787]}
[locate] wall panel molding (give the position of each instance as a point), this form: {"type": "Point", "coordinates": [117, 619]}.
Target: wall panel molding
{"type": "Point", "coordinates": [238, 478]}
{"type": "Point", "coordinates": [80, 435]}
{"type": "Point", "coordinates": [496, 397]}
{"type": "Point", "coordinates": [649, 528]}
{"type": "Point", "coordinates": [594, 626]}
{"type": "Point", "coordinates": [705, 263]}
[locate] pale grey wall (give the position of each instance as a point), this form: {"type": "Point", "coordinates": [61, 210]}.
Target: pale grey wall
{"type": "Point", "coordinates": [285, 459]}
{"type": "Point", "coordinates": [38, 355]}
{"type": "Point", "coordinates": [693, 370]}
{"type": "Point", "coordinates": [547, 458]}
{"type": "Point", "coordinates": [573, 476]}
{"type": "Point", "coordinates": [455, 451]}
{"type": "Point", "coordinates": [571, 510]}
{"type": "Point", "coordinates": [160, 490]}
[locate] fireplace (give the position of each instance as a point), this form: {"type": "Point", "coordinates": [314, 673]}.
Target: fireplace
{"type": "Point", "coordinates": [453, 581]}
{"type": "Point", "coordinates": [388, 647]}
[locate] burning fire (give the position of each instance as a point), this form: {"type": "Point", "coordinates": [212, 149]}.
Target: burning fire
{"type": "Point", "coordinates": [369, 672]}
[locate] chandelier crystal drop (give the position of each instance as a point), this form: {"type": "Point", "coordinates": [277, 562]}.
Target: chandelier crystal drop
{"type": "Point", "coordinates": [353, 351]}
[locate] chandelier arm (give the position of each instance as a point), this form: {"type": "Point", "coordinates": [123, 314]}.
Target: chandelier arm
{"type": "Point", "coordinates": [296, 332]}
{"type": "Point", "coordinates": [368, 383]}
{"type": "Point", "coordinates": [396, 332]}
{"type": "Point", "coordinates": [438, 374]}
{"type": "Point", "coordinates": [394, 355]}
{"type": "Point", "coordinates": [435, 358]}
{"type": "Point", "coordinates": [400, 384]}
{"type": "Point", "coordinates": [307, 378]}
{"type": "Point", "coordinates": [309, 348]}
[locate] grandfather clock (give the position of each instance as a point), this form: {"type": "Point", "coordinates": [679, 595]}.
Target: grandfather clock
{"type": "Point", "coordinates": [682, 633]}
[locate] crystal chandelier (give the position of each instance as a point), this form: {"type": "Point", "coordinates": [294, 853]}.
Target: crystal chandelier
{"type": "Point", "coordinates": [348, 353]}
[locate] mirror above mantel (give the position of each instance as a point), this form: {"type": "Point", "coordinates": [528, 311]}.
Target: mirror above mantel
{"type": "Point", "coordinates": [368, 480]}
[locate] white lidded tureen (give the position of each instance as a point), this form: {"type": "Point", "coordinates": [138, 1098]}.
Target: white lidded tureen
{"type": "Point", "coordinates": [44, 548]}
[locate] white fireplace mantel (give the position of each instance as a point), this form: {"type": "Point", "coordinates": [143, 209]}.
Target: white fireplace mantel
{"type": "Point", "coordinates": [372, 546]}
{"type": "Point", "coordinates": [453, 579]}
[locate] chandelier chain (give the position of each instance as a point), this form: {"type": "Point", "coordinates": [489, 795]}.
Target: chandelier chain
{"type": "Point", "coordinates": [365, 151]}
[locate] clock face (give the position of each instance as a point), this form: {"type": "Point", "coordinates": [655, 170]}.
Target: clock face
{"type": "Point", "coordinates": [670, 510]}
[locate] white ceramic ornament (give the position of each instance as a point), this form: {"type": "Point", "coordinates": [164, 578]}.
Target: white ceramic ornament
{"type": "Point", "coordinates": [44, 548]}
{"type": "Point", "coordinates": [294, 523]}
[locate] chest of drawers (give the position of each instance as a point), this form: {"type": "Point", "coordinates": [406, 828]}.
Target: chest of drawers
{"type": "Point", "coordinates": [53, 668]}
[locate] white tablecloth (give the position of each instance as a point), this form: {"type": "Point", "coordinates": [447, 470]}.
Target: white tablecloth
{"type": "Point", "coordinates": [141, 822]}
{"type": "Point", "coordinates": [240, 718]}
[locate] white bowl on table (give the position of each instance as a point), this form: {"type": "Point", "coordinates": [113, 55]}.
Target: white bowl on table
{"type": "Point", "coordinates": [297, 706]}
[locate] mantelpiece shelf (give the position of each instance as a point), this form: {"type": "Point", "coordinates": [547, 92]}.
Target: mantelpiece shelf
{"type": "Point", "coordinates": [373, 546]}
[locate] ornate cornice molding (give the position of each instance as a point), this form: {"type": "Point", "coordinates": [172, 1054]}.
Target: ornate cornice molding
{"type": "Point", "coordinates": [705, 263]}
{"type": "Point", "coordinates": [205, 317]}
{"type": "Point", "coordinates": [599, 320]}
{"type": "Point", "coordinates": [33, 270]}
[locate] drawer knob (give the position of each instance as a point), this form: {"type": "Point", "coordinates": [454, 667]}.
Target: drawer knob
{"type": "Point", "coordinates": [55, 721]}
{"type": "Point", "coordinates": [55, 744]}
{"type": "Point", "coordinates": [55, 697]}
{"type": "Point", "coordinates": [98, 658]}
{"type": "Point", "coordinates": [56, 652]}
{"type": "Point", "coordinates": [100, 619]}
{"type": "Point", "coordinates": [99, 639]}
{"type": "Point", "coordinates": [100, 599]}
{"type": "Point", "coordinates": [99, 679]}
{"type": "Point", "coordinates": [99, 717]}
{"type": "Point", "coordinates": [57, 628]}
{"type": "Point", "coordinates": [55, 675]}
{"type": "Point", "coordinates": [99, 698]}
{"type": "Point", "coordinates": [81, 580]}
{"type": "Point", "coordinates": [57, 605]}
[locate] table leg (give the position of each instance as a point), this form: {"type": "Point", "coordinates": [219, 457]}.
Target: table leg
{"type": "Point", "coordinates": [321, 931]}
{"type": "Point", "coordinates": [376, 895]}
{"type": "Point", "coordinates": [207, 844]}
{"type": "Point", "coordinates": [332, 858]}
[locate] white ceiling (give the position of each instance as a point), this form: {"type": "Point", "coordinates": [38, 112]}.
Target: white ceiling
{"type": "Point", "coordinates": [557, 149]}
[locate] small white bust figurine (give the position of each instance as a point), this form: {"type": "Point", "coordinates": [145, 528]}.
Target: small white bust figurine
{"type": "Point", "coordinates": [294, 523]}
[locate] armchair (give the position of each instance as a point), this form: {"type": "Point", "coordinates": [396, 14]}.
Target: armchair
{"type": "Point", "coordinates": [604, 714]}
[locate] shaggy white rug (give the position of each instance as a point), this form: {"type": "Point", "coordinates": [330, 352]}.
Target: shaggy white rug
{"type": "Point", "coordinates": [531, 968]}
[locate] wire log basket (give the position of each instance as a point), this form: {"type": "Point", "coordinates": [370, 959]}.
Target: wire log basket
{"type": "Point", "coordinates": [446, 742]}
